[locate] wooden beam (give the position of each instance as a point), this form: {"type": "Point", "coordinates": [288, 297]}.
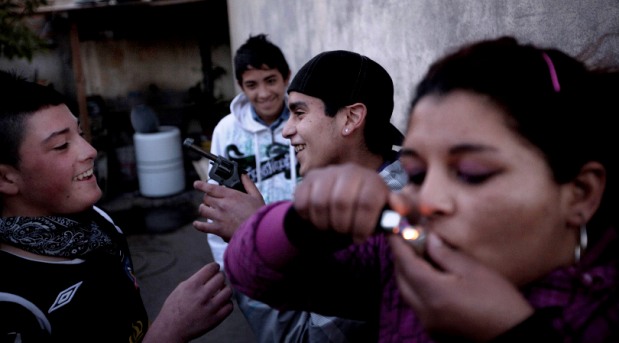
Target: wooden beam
{"type": "Point", "coordinates": [80, 84]}
{"type": "Point", "coordinates": [66, 6]}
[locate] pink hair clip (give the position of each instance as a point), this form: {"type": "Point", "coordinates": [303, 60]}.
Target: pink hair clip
{"type": "Point", "coordinates": [553, 72]}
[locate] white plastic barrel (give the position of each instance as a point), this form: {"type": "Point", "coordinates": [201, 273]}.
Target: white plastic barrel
{"type": "Point", "coordinates": [159, 160]}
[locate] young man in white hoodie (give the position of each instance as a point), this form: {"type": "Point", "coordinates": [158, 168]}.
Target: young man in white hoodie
{"type": "Point", "coordinates": [252, 134]}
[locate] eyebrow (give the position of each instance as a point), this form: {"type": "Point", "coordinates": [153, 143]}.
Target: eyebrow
{"type": "Point", "coordinates": [456, 150]}
{"type": "Point", "coordinates": [269, 77]}
{"type": "Point", "coordinates": [56, 134]}
{"type": "Point", "coordinates": [266, 78]}
{"type": "Point", "coordinates": [294, 105]}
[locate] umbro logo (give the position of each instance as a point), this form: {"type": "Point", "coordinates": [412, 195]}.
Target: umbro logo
{"type": "Point", "coordinates": [64, 297]}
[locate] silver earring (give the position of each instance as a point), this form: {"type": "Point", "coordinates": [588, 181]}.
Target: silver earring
{"type": "Point", "coordinates": [582, 244]}
{"type": "Point", "coordinates": [346, 130]}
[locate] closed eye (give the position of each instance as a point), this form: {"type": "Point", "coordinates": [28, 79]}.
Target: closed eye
{"type": "Point", "coordinates": [62, 146]}
{"type": "Point", "coordinates": [475, 179]}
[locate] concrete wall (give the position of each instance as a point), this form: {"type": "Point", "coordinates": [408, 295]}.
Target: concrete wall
{"type": "Point", "coordinates": [405, 36]}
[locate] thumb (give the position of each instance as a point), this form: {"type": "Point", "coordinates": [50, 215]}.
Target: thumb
{"type": "Point", "coordinates": [250, 186]}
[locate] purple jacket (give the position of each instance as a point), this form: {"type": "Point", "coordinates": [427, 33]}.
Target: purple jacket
{"type": "Point", "coordinates": [357, 281]}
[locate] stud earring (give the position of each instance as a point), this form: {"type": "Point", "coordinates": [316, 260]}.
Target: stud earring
{"type": "Point", "coordinates": [346, 130]}
{"type": "Point", "coordinates": [582, 244]}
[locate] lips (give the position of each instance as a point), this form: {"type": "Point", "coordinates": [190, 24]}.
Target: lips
{"type": "Point", "coordinates": [83, 176]}
{"type": "Point", "coordinates": [268, 104]}
{"type": "Point", "coordinates": [299, 147]}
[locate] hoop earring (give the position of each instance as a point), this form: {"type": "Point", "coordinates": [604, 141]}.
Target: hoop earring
{"type": "Point", "coordinates": [582, 244]}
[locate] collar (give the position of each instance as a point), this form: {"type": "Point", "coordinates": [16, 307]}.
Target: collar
{"type": "Point", "coordinates": [282, 117]}
{"type": "Point", "coordinates": [391, 157]}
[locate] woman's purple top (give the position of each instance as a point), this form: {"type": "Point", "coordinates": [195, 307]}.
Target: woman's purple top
{"type": "Point", "coordinates": [358, 282]}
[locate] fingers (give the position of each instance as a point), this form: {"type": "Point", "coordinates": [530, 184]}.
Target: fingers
{"type": "Point", "coordinates": [208, 227]}
{"type": "Point", "coordinates": [212, 190]}
{"type": "Point", "coordinates": [408, 268]}
{"type": "Point", "coordinates": [420, 280]}
{"type": "Point", "coordinates": [209, 211]}
{"type": "Point", "coordinates": [222, 197]}
{"type": "Point", "coordinates": [345, 198]}
{"type": "Point", "coordinates": [356, 203]}
{"type": "Point", "coordinates": [213, 224]}
{"type": "Point", "coordinates": [214, 295]}
{"type": "Point", "coordinates": [225, 209]}
{"type": "Point", "coordinates": [319, 195]}
{"type": "Point", "coordinates": [202, 186]}
{"type": "Point", "coordinates": [302, 197]}
{"type": "Point", "coordinates": [425, 270]}
{"type": "Point", "coordinates": [212, 282]}
{"type": "Point", "coordinates": [462, 288]}
{"type": "Point", "coordinates": [220, 310]}
{"type": "Point", "coordinates": [222, 313]}
{"type": "Point", "coordinates": [222, 297]}
{"type": "Point", "coordinates": [371, 200]}
{"type": "Point", "coordinates": [204, 274]}
{"type": "Point", "coordinates": [250, 186]}
{"type": "Point", "coordinates": [449, 259]}
{"type": "Point", "coordinates": [194, 307]}
{"type": "Point", "coordinates": [344, 203]}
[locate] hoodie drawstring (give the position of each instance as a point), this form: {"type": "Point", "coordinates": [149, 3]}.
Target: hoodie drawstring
{"type": "Point", "coordinates": [257, 154]}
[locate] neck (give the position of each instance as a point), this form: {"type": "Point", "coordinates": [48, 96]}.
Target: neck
{"type": "Point", "coordinates": [367, 159]}
{"type": "Point", "coordinates": [26, 254]}
{"type": "Point", "coordinates": [271, 119]}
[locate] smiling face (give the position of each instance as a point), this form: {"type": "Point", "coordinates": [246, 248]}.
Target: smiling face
{"type": "Point", "coordinates": [484, 189]}
{"type": "Point", "coordinates": [315, 136]}
{"type": "Point", "coordinates": [55, 172]}
{"type": "Point", "coordinates": [265, 88]}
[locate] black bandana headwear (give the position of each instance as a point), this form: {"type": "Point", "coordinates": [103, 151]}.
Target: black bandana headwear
{"type": "Point", "coordinates": [73, 236]}
{"type": "Point", "coordinates": [342, 78]}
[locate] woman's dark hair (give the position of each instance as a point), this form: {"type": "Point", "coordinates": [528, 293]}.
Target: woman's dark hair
{"type": "Point", "coordinates": [551, 99]}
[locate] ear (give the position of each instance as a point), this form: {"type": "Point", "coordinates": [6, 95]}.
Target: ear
{"type": "Point", "coordinates": [585, 193]}
{"type": "Point", "coordinates": [287, 78]}
{"type": "Point", "coordinates": [8, 179]}
{"type": "Point", "coordinates": [355, 118]}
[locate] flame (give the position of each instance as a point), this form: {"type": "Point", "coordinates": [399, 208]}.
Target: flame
{"type": "Point", "coordinates": [410, 233]}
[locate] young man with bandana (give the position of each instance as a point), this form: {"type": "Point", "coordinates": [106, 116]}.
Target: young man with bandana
{"type": "Point", "coordinates": [67, 274]}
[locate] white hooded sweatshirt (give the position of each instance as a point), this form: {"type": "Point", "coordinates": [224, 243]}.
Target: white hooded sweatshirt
{"type": "Point", "coordinates": [266, 156]}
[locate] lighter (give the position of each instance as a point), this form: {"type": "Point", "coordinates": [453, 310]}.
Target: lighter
{"type": "Point", "coordinates": [415, 235]}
